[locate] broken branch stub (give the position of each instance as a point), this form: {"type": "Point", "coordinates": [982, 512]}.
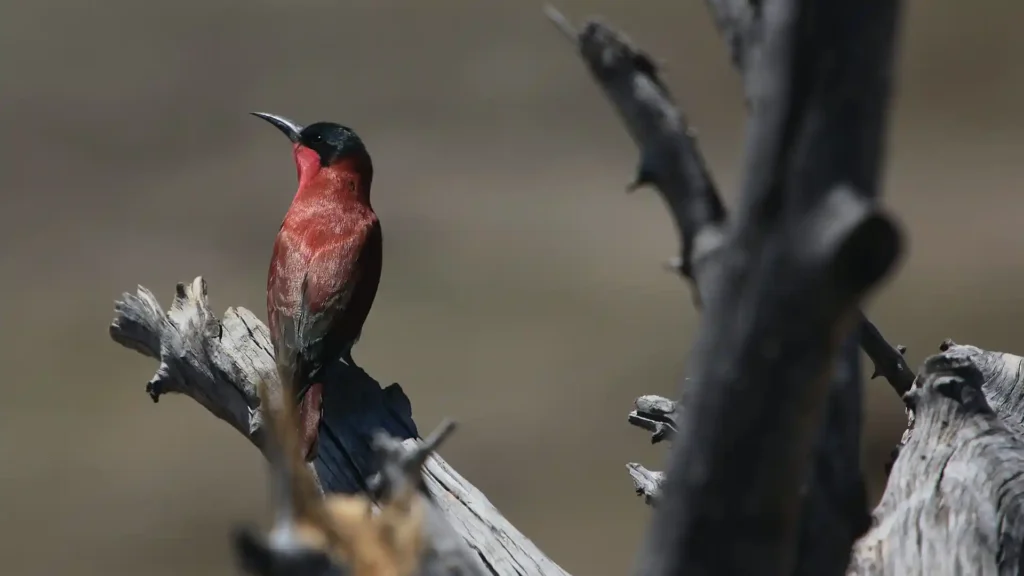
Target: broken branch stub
{"type": "Point", "coordinates": [215, 362]}
{"type": "Point", "coordinates": [647, 483]}
{"type": "Point", "coordinates": [657, 415]}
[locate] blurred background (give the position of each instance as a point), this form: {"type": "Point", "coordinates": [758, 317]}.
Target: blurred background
{"type": "Point", "coordinates": [519, 279]}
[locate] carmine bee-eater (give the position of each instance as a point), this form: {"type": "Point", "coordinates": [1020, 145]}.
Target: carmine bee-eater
{"type": "Point", "coordinates": [326, 262]}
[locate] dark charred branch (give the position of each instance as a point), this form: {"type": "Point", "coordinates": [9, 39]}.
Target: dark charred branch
{"type": "Point", "coordinates": [220, 362]}
{"type": "Point", "coordinates": [671, 160]}
{"type": "Point", "coordinates": [835, 492]}
{"type": "Point", "coordinates": [888, 359]}
{"type": "Point", "coordinates": [740, 23]}
{"type": "Point", "coordinates": [670, 156]}
{"type": "Point", "coordinates": [834, 511]}
{"type": "Point", "coordinates": [805, 245]}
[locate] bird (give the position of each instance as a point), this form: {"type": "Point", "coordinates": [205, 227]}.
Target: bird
{"type": "Point", "coordinates": [326, 263]}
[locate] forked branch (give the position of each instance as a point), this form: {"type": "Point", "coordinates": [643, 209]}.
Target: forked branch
{"type": "Point", "coordinates": [790, 267]}
{"type": "Point", "coordinates": [670, 155]}
{"type": "Point", "coordinates": [220, 363]}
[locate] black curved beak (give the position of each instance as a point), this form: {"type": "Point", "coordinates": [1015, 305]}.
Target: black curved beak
{"type": "Point", "coordinates": [286, 126]}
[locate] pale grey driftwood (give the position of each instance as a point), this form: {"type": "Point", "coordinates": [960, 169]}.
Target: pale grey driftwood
{"type": "Point", "coordinates": [218, 363]}
{"type": "Point", "coordinates": [657, 415]}
{"type": "Point", "coordinates": [954, 502]}
{"type": "Point", "coordinates": [647, 483]}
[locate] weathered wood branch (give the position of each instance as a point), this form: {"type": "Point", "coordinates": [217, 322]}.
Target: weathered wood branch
{"type": "Point", "coordinates": [647, 483]}
{"type": "Point", "coordinates": [832, 504]}
{"type": "Point", "coordinates": [671, 159]}
{"type": "Point", "coordinates": [669, 155]}
{"type": "Point", "coordinates": [954, 502]}
{"type": "Point", "coordinates": [958, 460]}
{"type": "Point", "coordinates": [802, 158]}
{"type": "Point", "coordinates": [657, 415]}
{"type": "Point", "coordinates": [834, 512]}
{"type": "Point", "coordinates": [220, 364]}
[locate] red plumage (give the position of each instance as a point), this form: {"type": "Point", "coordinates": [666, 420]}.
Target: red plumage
{"type": "Point", "coordinates": [326, 262]}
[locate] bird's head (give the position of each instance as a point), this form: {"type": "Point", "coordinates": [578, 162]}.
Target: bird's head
{"type": "Point", "coordinates": [324, 145]}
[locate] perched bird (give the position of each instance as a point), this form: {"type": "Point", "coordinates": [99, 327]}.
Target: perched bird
{"type": "Point", "coordinates": [326, 263]}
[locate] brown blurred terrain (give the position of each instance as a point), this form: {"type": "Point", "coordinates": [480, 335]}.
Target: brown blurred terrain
{"type": "Point", "coordinates": [522, 292]}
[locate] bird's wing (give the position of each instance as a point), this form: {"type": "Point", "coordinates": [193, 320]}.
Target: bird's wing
{"type": "Point", "coordinates": [336, 279]}
{"type": "Point", "coordinates": [365, 292]}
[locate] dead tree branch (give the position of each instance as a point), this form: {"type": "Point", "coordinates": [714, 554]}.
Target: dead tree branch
{"type": "Point", "coordinates": [954, 503]}
{"type": "Point", "coordinates": [813, 156]}
{"type": "Point", "coordinates": [670, 156]}
{"type": "Point", "coordinates": [220, 364]}
{"type": "Point", "coordinates": [988, 545]}
{"type": "Point", "coordinates": [958, 461]}
{"type": "Point", "coordinates": [888, 359]}
{"type": "Point", "coordinates": [657, 415]}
